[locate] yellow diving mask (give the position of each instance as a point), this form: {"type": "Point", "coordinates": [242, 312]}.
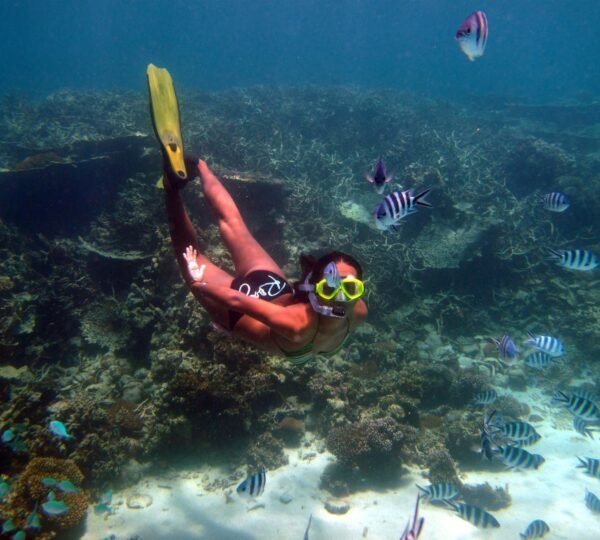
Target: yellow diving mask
{"type": "Point", "coordinates": [351, 287]}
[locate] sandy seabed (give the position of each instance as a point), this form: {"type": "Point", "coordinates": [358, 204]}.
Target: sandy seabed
{"type": "Point", "coordinates": [181, 509]}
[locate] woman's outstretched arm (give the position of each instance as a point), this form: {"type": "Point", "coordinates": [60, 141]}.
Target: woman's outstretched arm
{"type": "Point", "coordinates": [287, 321]}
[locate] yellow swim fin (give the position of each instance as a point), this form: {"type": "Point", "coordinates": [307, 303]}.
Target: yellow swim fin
{"type": "Point", "coordinates": [165, 118]}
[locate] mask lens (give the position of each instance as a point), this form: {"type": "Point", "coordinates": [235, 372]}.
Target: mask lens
{"type": "Point", "coordinates": [325, 291]}
{"type": "Point", "coordinates": [354, 288]}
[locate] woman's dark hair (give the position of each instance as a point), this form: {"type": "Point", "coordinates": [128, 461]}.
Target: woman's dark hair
{"type": "Point", "coordinates": [310, 263]}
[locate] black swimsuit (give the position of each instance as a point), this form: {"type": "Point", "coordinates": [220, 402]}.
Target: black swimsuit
{"type": "Point", "coordinates": [259, 284]}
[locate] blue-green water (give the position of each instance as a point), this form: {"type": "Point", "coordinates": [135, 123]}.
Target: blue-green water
{"type": "Point", "coordinates": [536, 50]}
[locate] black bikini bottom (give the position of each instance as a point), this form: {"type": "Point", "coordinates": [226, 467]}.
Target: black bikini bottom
{"type": "Point", "coordinates": [260, 284]}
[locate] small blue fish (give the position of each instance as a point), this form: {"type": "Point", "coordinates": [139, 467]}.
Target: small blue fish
{"type": "Point", "coordinates": [583, 260]}
{"type": "Point", "coordinates": [8, 435]}
{"type": "Point", "coordinates": [4, 489]}
{"type": "Point", "coordinates": [66, 486]}
{"type": "Point", "coordinates": [556, 201]}
{"type": "Point", "coordinates": [104, 504]}
{"type": "Point", "coordinates": [19, 535]}
{"type": "Point", "coordinates": [536, 529]}
{"type": "Point", "coordinates": [48, 481]}
{"type": "Point", "coordinates": [472, 35]}
{"type": "Point", "coordinates": [59, 430]}
{"type": "Point", "coordinates": [506, 347]}
{"type": "Point", "coordinates": [379, 178]}
{"type": "Point", "coordinates": [547, 344]}
{"type": "Point", "coordinates": [254, 485]}
{"type": "Point", "coordinates": [413, 530]}
{"type": "Point", "coordinates": [55, 508]}
{"type": "Point", "coordinates": [8, 526]}
{"type": "Point", "coordinates": [33, 520]}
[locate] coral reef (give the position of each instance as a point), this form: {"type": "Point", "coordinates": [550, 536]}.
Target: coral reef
{"type": "Point", "coordinates": [373, 445]}
{"type": "Point", "coordinates": [117, 348]}
{"type": "Point", "coordinates": [30, 489]}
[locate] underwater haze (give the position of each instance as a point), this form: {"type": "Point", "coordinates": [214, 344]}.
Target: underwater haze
{"type": "Point", "coordinates": [539, 50]}
{"type": "Point", "coordinates": [442, 378]}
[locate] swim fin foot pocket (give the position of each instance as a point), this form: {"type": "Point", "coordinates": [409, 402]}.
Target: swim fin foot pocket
{"type": "Point", "coordinates": [164, 111]}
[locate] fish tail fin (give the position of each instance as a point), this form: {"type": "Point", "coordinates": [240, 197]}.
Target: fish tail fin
{"type": "Point", "coordinates": [420, 198]}
{"type": "Point", "coordinates": [554, 255]}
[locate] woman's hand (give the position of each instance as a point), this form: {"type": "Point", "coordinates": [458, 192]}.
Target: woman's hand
{"type": "Point", "coordinates": [196, 272]}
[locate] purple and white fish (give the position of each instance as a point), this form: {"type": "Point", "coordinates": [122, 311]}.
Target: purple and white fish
{"type": "Point", "coordinates": [506, 347]}
{"type": "Point", "coordinates": [472, 35]}
{"type": "Point", "coordinates": [380, 177]}
{"type": "Point", "coordinates": [413, 530]}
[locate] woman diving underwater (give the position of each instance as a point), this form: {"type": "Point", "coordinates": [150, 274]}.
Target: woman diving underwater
{"type": "Point", "coordinates": [258, 305]}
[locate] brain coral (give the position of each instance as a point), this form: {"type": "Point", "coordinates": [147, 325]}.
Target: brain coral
{"type": "Point", "coordinates": [29, 489]}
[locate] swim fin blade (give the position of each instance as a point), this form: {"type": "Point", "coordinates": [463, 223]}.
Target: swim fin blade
{"type": "Point", "coordinates": [164, 110]}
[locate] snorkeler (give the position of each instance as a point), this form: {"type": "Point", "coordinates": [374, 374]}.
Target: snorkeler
{"type": "Point", "coordinates": [258, 305]}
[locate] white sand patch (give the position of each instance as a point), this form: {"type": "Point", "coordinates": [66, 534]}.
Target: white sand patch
{"type": "Point", "coordinates": [553, 493]}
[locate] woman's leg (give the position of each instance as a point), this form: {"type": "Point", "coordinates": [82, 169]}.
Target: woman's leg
{"type": "Point", "coordinates": [247, 253]}
{"type": "Point", "coordinates": [183, 235]}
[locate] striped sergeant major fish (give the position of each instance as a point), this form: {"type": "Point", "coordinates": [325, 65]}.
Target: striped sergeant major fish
{"type": "Point", "coordinates": [591, 466]}
{"type": "Point", "coordinates": [532, 439]}
{"type": "Point", "coordinates": [506, 347]}
{"type": "Point", "coordinates": [413, 530]}
{"type": "Point", "coordinates": [254, 485]}
{"type": "Point", "coordinates": [517, 458]}
{"type": "Point", "coordinates": [547, 344]}
{"type": "Point", "coordinates": [487, 443]}
{"type": "Point", "coordinates": [474, 515]}
{"type": "Point", "coordinates": [585, 394]}
{"type": "Point", "coordinates": [518, 430]}
{"type": "Point", "coordinates": [584, 428]}
{"type": "Point", "coordinates": [379, 178]}
{"type": "Point", "coordinates": [486, 397]}
{"type": "Point", "coordinates": [472, 35]}
{"type": "Point", "coordinates": [584, 408]}
{"type": "Point", "coordinates": [536, 529]}
{"type": "Point", "coordinates": [396, 206]}
{"type": "Point", "coordinates": [538, 360]}
{"type": "Point", "coordinates": [442, 491]}
{"type": "Point", "coordinates": [556, 201]}
{"type": "Point", "coordinates": [592, 502]}
{"type": "Point", "coordinates": [574, 259]}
